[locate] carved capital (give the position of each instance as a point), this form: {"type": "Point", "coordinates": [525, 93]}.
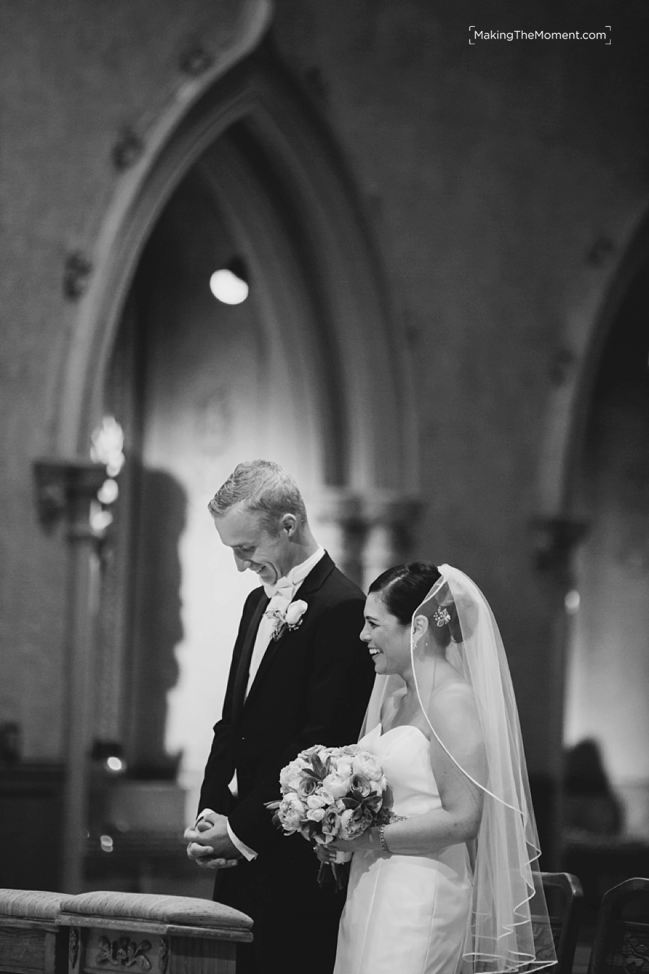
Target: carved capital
{"type": "Point", "coordinates": [65, 488]}
{"type": "Point", "coordinates": [391, 508]}
{"type": "Point", "coordinates": [342, 507]}
{"type": "Point", "coordinates": [370, 532]}
{"type": "Point", "coordinates": [390, 519]}
{"type": "Point", "coordinates": [393, 516]}
{"type": "Point", "coordinates": [341, 522]}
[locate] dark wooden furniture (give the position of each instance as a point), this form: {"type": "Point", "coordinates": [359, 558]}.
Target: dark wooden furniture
{"type": "Point", "coordinates": [30, 794]}
{"type": "Point", "coordinates": [30, 941]}
{"type": "Point", "coordinates": [151, 933]}
{"type": "Point", "coordinates": [621, 944]}
{"type": "Point", "coordinates": [602, 862]}
{"type": "Point", "coordinates": [564, 896]}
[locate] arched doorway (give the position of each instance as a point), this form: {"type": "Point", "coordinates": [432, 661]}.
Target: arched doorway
{"type": "Point", "coordinates": [608, 654]}
{"type": "Point", "coordinates": [309, 371]}
{"type": "Point", "coordinates": [594, 499]}
{"type": "Point", "coordinates": [278, 148]}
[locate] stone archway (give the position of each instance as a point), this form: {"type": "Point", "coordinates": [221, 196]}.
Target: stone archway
{"type": "Point", "coordinates": [322, 313]}
{"type": "Point", "coordinates": [563, 530]}
{"type": "Point", "coordinates": [355, 310]}
{"type": "Point", "coordinates": [576, 365]}
{"type": "Point", "coordinates": [607, 650]}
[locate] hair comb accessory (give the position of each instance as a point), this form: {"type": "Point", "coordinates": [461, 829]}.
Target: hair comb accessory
{"type": "Point", "coordinates": [442, 617]}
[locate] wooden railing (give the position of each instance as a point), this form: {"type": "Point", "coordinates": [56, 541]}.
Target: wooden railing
{"type": "Point", "coordinates": [145, 933]}
{"type": "Point", "coordinates": [30, 940]}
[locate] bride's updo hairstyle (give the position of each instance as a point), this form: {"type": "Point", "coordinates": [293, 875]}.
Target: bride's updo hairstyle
{"type": "Point", "coordinates": [404, 587]}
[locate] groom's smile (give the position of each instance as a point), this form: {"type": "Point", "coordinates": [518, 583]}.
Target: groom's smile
{"type": "Point", "coordinates": [255, 548]}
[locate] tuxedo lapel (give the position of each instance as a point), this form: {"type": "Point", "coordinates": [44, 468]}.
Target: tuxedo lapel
{"type": "Point", "coordinates": [243, 666]}
{"type": "Point", "coordinates": [314, 580]}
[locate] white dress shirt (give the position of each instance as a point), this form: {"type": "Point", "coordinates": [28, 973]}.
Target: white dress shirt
{"type": "Point", "coordinates": [281, 594]}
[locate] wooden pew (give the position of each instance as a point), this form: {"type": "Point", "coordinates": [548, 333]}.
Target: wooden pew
{"type": "Point", "coordinates": [564, 897]}
{"type": "Point", "coordinates": [621, 944]}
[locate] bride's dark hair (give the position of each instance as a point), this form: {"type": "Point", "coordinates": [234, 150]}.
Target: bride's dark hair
{"type": "Point", "coordinates": [404, 587]}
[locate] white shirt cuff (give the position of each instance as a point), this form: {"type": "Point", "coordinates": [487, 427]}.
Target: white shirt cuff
{"type": "Point", "coordinates": [244, 849]}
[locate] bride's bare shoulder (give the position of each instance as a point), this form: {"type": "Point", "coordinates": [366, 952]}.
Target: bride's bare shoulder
{"type": "Point", "coordinates": [453, 700]}
{"type": "Point", "coordinates": [449, 681]}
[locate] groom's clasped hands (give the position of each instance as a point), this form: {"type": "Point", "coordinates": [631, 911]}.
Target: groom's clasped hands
{"type": "Point", "coordinates": [209, 844]}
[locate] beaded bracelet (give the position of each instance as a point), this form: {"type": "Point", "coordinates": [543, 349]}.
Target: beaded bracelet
{"type": "Point", "coordinates": [382, 843]}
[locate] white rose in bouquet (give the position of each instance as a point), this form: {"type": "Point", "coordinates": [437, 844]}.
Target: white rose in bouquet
{"type": "Point", "coordinates": [291, 775]}
{"type": "Point", "coordinates": [336, 785]}
{"type": "Point", "coordinates": [291, 812]}
{"type": "Point", "coordinates": [366, 765]}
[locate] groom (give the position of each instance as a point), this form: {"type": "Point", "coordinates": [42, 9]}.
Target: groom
{"type": "Point", "coordinates": [299, 676]}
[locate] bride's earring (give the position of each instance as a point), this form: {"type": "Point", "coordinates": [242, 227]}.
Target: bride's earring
{"type": "Point", "coordinates": [420, 636]}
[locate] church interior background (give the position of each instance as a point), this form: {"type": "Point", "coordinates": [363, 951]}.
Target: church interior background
{"type": "Point", "coordinates": [444, 247]}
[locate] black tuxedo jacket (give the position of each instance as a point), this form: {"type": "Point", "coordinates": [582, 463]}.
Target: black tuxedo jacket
{"type": "Point", "coordinates": [312, 687]}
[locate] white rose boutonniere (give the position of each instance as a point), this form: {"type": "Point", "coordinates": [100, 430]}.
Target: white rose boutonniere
{"type": "Point", "coordinates": [289, 618]}
{"type": "Point", "coordinates": [294, 613]}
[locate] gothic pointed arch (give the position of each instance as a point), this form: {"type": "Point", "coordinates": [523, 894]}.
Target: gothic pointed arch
{"type": "Point", "coordinates": [260, 145]}
{"type": "Point", "coordinates": [578, 362]}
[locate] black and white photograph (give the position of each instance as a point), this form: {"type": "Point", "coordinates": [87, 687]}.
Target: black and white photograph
{"type": "Point", "coordinates": [324, 506]}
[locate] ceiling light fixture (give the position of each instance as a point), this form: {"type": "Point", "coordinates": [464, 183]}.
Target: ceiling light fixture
{"type": "Point", "coordinates": [229, 284]}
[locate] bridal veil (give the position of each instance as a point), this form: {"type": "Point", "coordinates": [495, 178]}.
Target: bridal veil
{"type": "Point", "coordinates": [508, 929]}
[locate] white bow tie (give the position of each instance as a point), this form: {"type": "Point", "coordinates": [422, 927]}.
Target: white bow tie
{"type": "Point", "coordinates": [283, 586]}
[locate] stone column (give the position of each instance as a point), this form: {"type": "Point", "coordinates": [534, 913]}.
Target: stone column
{"type": "Point", "coordinates": [340, 528]}
{"type": "Point", "coordinates": [66, 490]}
{"type": "Point", "coordinates": [554, 542]}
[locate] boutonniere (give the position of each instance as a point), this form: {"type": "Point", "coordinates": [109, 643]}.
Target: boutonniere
{"type": "Point", "coordinates": [289, 618]}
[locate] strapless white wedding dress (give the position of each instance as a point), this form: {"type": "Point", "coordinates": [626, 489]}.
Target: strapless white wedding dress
{"type": "Point", "coordinates": [405, 914]}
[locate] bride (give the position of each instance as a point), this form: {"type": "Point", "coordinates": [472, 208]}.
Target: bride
{"type": "Point", "coordinates": [451, 883]}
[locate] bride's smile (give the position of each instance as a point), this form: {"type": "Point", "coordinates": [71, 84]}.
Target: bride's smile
{"type": "Point", "coordinates": [387, 640]}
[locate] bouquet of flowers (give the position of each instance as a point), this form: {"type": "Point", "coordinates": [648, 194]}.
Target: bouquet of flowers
{"type": "Point", "coordinates": [332, 793]}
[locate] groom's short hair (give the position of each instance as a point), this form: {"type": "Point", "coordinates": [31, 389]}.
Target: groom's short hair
{"type": "Point", "coordinates": [262, 487]}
